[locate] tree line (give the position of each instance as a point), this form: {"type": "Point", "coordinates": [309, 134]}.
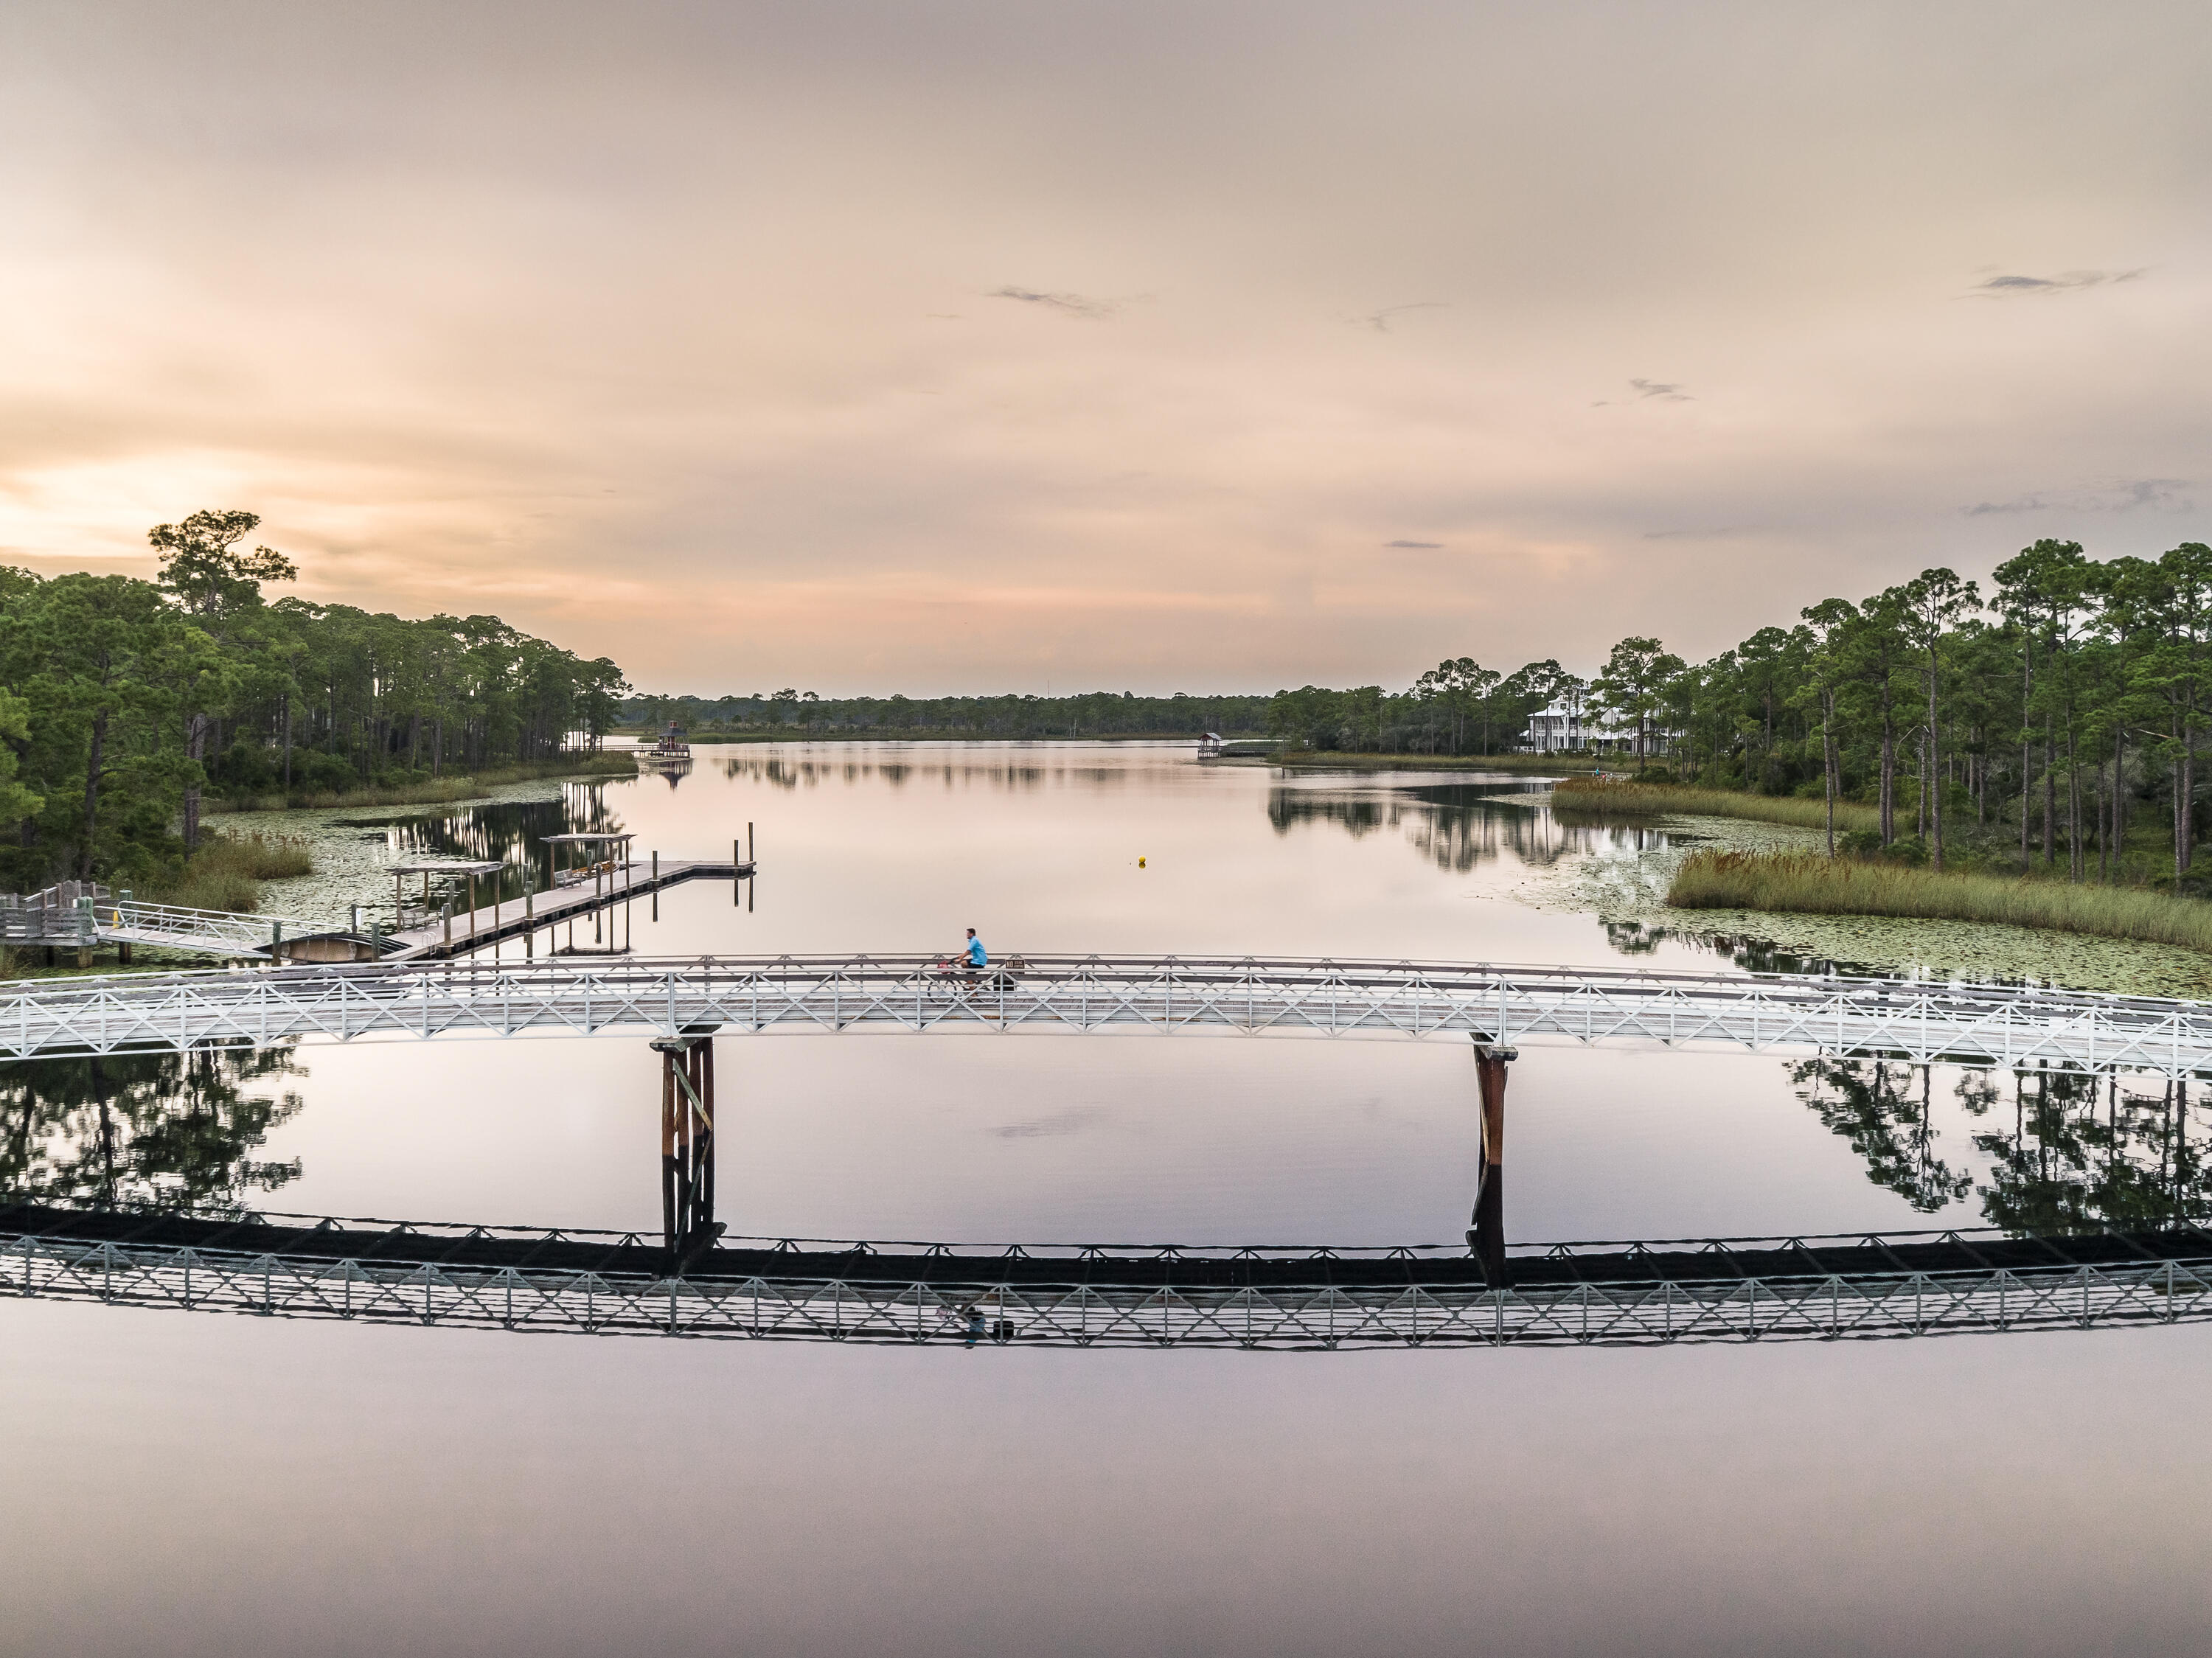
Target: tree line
{"type": "Point", "coordinates": [1092, 714]}
{"type": "Point", "coordinates": [2044, 722]}
{"type": "Point", "coordinates": [125, 703]}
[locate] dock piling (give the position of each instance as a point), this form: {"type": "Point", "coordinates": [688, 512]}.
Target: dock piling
{"type": "Point", "coordinates": [687, 1146]}
{"type": "Point", "coordinates": [1486, 1236]}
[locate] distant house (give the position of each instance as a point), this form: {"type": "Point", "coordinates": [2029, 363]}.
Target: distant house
{"type": "Point", "coordinates": [1559, 729]}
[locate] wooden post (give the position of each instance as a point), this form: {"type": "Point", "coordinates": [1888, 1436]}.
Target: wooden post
{"type": "Point", "coordinates": [1486, 1236]}
{"type": "Point", "coordinates": [668, 1094]}
{"type": "Point", "coordinates": [687, 1146]}
{"type": "Point", "coordinates": [704, 1079]}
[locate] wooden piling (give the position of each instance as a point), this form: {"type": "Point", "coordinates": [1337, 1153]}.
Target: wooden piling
{"type": "Point", "coordinates": [1485, 1237]}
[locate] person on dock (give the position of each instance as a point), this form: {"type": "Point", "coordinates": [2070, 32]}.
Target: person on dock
{"type": "Point", "coordinates": [978, 958]}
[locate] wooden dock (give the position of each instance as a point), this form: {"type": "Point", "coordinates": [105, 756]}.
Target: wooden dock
{"type": "Point", "coordinates": [606, 888]}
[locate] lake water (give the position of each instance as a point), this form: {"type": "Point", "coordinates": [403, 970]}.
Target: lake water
{"type": "Point", "coordinates": [189, 1484]}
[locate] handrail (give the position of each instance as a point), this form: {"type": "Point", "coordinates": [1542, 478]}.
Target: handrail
{"type": "Point", "coordinates": [1992, 1024]}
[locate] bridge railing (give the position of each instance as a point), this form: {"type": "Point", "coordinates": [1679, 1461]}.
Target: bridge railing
{"type": "Point", "coordinates": [213, 929]}
{"type": "Point", "coordinates": [1995, 1026]}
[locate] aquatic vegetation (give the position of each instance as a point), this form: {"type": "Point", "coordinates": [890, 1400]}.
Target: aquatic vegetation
{"type": "Point", "coordinates": [1544, 765]}
{"type": "Point", "coordinates": [1811, 884]}
{"type": "Point", "coordinates": [1603, 797]}
{"type": "Point", "coordinates": [228, 871]}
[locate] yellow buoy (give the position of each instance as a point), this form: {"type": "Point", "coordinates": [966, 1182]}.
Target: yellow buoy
{"type": "Point", "coordinates": [1141, 863]}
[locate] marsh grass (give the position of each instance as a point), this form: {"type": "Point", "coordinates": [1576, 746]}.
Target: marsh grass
{"type": "Point", "coordinates": [228, 871]}
{"type": "Point", "coordinates": [1541, 764]}
{"type": "Point", "coordinates": [434, 790]}
{"type": "Point", "coordinates": [1808, 884]}
{"type": "Point", "coordinates": [1604, 798]}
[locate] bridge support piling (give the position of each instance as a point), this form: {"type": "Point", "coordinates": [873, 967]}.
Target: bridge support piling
{"type": "Point", "coordinates": [687, 1146]}
{"type": "Point", "coordinates": [1486, 1236]}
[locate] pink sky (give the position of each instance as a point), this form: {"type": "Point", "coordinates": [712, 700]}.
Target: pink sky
{"type": "Point", "coordinates": [975, 348]}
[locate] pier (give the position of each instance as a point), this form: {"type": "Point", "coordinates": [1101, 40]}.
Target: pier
{"type": "Point", "coordinates": [604, 889]}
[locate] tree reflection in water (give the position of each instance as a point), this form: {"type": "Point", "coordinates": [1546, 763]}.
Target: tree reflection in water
{"type": "Point", "coordinates": [1456, 826]}
{"type": "Point", "coordinates": [1876, 1106]}
{"type": "Point", "coordinates": [2082, 1154]}
{"type": "Point", "coordinates": [511, 832]}
{"type": "Point", "coordinates": [178, 1132]}
{"type": "Point", "coordinates": [173, 1132]}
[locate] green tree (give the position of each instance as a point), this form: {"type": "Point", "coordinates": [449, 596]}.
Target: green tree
{"type": "Point", "coordinates": [1633, 684]}
{"type": "Point", "coordinates": [1934, 602]}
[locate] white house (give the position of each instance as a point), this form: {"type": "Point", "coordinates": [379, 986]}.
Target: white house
{"type": "Point", "coordinates": [1560, 727]}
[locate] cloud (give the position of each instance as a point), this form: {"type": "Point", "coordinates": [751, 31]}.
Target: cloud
{"type": "Point", "coordinates": [2067, 281]}
{"type": "Point", "coordinates": [1074, 305]}
{"type": "Point", "coordinates": [2160, 494]}
{"type": "Point", "coordinates": [1665, 390]}
{"type": "Point", "coordinates": [1417, 546]}
{"type": "Point", "coordinates": [1379, 320]}
{"type": "Point", "coordinates": [1700, 535]}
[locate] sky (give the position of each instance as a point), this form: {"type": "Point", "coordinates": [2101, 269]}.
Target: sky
{"type": "Point", "coordinates": [870, 347]}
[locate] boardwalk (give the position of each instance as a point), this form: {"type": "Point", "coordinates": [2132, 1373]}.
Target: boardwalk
{"type": "Point", "coordinates": [1980, 1025]}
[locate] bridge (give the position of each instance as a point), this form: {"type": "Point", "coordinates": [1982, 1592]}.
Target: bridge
{"type": "Point", "coordinates": [2009, 1027]}
{"type": "Point", "coordinates": [693, 1281]}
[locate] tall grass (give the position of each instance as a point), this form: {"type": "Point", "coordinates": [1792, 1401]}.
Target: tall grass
{"type": "Point", "coordinates": [1603, 797]}
{"type": "Point", "coordinates": [1810, 885]}
{"type": "Point", "coordinates": [1543, 764]}
{"type": "Point", "coordinates": [228, 871]}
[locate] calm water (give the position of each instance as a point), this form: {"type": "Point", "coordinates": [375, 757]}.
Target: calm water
{"type": "Point", "coordinates": [202, 1484]}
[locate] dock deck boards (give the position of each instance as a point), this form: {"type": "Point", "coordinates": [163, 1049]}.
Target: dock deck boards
{"type": "Point", "coordinates": [510, 917]}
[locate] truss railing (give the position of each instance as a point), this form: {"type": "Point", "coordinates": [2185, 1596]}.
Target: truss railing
{"type": "Point", "coordinates": [1922, 1022]}
{"type": "Point", "coordinates": [216, 931]}
{"type": "Point", "coordinates": [81, 912]}
{"type": "Point", "coordinates": [1808, 1307]}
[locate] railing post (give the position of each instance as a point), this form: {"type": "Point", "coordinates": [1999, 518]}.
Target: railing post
{"type": "Point", "coordinates": [1486, 1236]}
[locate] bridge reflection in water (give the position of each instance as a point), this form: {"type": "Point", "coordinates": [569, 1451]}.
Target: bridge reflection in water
{"type": "Point", "coordinates": [131, 1182]}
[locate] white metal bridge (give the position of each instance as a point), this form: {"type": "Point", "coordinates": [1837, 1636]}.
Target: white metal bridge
{"type": "Point", "coordinates": [1978, 1024]}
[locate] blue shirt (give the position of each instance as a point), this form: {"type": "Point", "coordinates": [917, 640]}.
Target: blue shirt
{"type": "Point", "coordinates": [976, 956]}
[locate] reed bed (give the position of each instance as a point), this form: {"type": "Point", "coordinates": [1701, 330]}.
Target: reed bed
{"type": "Point", "coordinates": [1541, 764]}
{"type": "Point", "coordinates": [228, 871]}
{"type": "Point", "coordinates": [1798, 884]}
{"type": "Point", "coordinates": [1603, 797]}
